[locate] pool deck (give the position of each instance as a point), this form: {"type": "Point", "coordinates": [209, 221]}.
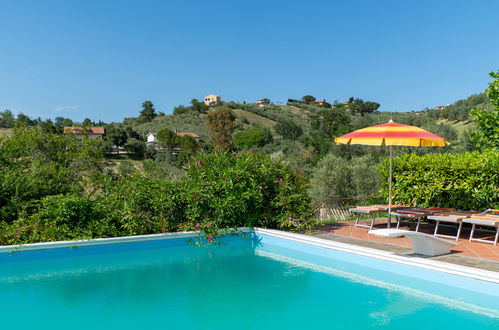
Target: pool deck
{"type": "Point", "coordinates": [472, 254]}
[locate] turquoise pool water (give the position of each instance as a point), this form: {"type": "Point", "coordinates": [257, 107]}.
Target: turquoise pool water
{"type": "Point", "coordinates": [242, 285]}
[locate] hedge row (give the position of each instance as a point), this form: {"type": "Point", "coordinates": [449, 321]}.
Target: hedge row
{"type": "Point", "coordinates": [465, 181]}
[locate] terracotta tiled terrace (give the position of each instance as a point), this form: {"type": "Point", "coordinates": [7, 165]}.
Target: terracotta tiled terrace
{"type": "Point", "coordinates": [466, 252]}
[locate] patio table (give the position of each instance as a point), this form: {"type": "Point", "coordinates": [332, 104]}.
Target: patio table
{"type": "Point", "coordinates": [372, 209]}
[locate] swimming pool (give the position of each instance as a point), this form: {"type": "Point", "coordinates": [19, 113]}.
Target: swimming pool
{"type": "Point", "coordinates": [273, 280]}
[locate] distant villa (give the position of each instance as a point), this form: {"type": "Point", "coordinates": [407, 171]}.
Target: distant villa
{"type": "Point", "coordinates": [93, 133]}
{"type": "Point", "coordinates": [263, 102]}
{"type": "Point", "coordinates": [439, 107]}
{"type": "Point", "coordinates": [212, 99]}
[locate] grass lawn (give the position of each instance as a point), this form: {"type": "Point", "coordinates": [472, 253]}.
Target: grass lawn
{"type": "Point", "coordinates": [113, 161]}
{"type": "Point", "coordinates": [5, 131]}
{"type": "Point", "coordinates": [254, 118]}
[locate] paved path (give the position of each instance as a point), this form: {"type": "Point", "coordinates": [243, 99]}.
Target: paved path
{"type": "Point", "coordinates": [473, 254]}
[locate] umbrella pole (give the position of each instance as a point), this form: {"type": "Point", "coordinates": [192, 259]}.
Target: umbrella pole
{"type": "Point", "coordinates": [390, 192]}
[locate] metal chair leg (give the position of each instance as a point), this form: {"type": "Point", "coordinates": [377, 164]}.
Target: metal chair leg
{"type": "Point", "coordinates": [472, 231]}
{"type": "Point", "coordinates": [459, 230]}
{"type": "Point", "coordinates": [436, 227]}
{"type": "Point", "coordinates": [372, 221]}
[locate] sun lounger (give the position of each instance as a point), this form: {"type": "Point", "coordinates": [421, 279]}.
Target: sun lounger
{"type": "Point", "coordinates": [373, 209]}
{"type": "Point", "coordinates": [422, 243]}
{"type": "Point", "coordinates": [455, 217]}
{"type": "Point", "coordinates": [417, 214]}
{"type": "Point", "coordinates": [489, 218]}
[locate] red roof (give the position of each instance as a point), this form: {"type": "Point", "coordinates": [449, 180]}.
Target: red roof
{"type": "Point", "coordinates": [83, 130]}
{"type": "Point", "coordinates": [194, 135]}
{"type": "Point", "coordinates": [320, 101]}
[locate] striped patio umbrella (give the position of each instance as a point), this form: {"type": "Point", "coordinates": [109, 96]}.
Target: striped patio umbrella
{"type": "Point", "coordinates": [392, 134]}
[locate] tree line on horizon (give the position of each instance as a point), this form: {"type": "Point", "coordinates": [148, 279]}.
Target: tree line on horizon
{"type": "Point", "coordinates": [56, 187]}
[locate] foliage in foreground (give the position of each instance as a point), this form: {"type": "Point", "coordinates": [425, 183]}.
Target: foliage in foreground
{"type": "Point", "coordinates": [486, 133]}
{"type": "Point", "coordinates": [219, 191]}
{"type": "Point", "coordinates": [466, 181]}
{"type": "Point", "coordinates": [34, 164]}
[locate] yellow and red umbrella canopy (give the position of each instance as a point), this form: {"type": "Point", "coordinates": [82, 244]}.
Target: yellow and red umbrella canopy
{"type": "Point", "coordinates": [392, 134]}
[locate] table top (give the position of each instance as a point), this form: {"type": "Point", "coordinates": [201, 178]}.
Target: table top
{"type": "Point", "coordinates": [483, 221]}
{"type": "Point", "coordinates": [376, 208]}
{"type": "Point", "coordinates": [417, 212]}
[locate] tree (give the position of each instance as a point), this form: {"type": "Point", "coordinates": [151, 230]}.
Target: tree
{"type": "Point", "coordinates": [6, 119]}
{"type": "Point", "coordinates": [168, 139]}
{"type": "Point", "coordinates": [288, 129]}
{"type": "Point", "coordinates": [188, 144]}
{"type": "Point", "coordinates": [221, 125]}
{"type": "Point", "coordinates": [148, 113]}
{"type": "Point", "coordinates": [335, 177]}
{"type": "Point", "coordinates": [370, 107]}
{"type": "Point", "coordinates": [199, 107]}
{"type": "Point", "coordinates": [308, 99]}
{"type": "Point", "coordinates": [135, 146]}
{"type": "Point", "coordinates": [86, 122]}
{"type": "Point", "coordinates": [34, 164]}
{"type": "Point", "coordinates": [253, 137]}
{"type": "Point", "coordinates": [61, 122]}
{"type": "Point", "coordinates": [181, 109]}
{"type": "Point", "coordinates": [332, 122]}
{"type": "Point", "coordinates": [117, 135]}
{"type": "Point", "coordinates": [358, 106]}
{"type": "Point", "coordinates": [486, 132]}
{"type": "Point", "coordinates": [47, 127]}
{"type": "Point", "coordinates": [23, 120]}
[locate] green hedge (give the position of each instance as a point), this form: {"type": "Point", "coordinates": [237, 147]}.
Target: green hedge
{"type": "Point", "coordinates": [465, 181]}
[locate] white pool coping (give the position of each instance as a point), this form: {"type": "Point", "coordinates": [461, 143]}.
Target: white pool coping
{"type": "Point", "coordinates": [470, 272]}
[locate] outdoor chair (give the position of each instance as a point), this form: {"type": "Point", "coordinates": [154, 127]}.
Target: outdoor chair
{"type": "Point", "coordinates": [455, 217]}
{"type": "Point", "coordinates": [489, 218]}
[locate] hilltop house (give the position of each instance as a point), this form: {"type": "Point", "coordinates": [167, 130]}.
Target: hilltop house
{"type": "Point", "coordinates": [151, 138]}
{"type": "Point", "coordinates": [193, 135]}
{"type": "Point", "coordinates": [320, 102]}
{"type": "Point", "coordinates": [93, 133]}
{"type": "Point", "coordinates": [212, 99]}
{"type": "Point", "coordinates": [439, 107]}
{"type": "Point", "coordinates": [263, 102]}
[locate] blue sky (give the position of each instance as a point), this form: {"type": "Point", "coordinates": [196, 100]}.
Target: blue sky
{"type": "Point", "coordinates": [102, 59]}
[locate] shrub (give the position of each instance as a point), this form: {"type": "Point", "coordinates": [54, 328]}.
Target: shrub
{"type": "Point", "coordinates": [35, 164]}
{"type": "Point", "coordinates": [136, 146]}
{"type": "Point", "coordinates": [466, 181]}
{"type": "Point", "coordinates": [219, 191]}
{"type": "Point", "coordinates": [59, 217]}
{"type": "Point", "coordinates": [288, 129]}
{"type": "Point", "coordinates": [232, 190]}
{"type": "Point", "coordinates": [253, 137]}
{"type": "Point", "coordinates": [139, 205]}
